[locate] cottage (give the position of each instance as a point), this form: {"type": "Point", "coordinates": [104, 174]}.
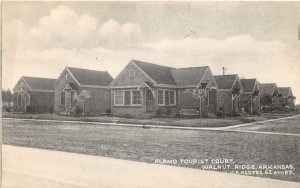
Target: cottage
{"type": "Point", "coordinates": [146, 88]}
{"type": "Point", "coordinates": [228, 93]}
{"type": "Point", "coordinates": [91, 86]}
{"type": "Point", "coordinates": [250, 98]}
{"type": "Point", "coordinates": [33, 95]}
{"type": "Point", "coordinates": [287, 95]}
{"type": "Point", "coordinates": [269, 94]}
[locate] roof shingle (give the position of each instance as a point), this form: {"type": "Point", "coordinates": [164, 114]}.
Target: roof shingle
{"type": "Point", "coordinates": [188, 76]}
{"type": "Point", "coordinates": [285, 91]}
{"type": "Point", "coordinates": [267, 89]}
{"type": "Point", "coordinates": [37, 83]}
{"type": "Point", "coordinates": [248, 84]}
{"type": "Point", "coordinates": [160, 74]}
{"type": "Point", "coordinates": [226, 81]}
{"type": "Point", "coordinates": [91, 77]}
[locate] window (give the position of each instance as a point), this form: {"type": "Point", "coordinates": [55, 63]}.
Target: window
{"type": "Point", "coordinates": [72, 98]}
{"type": "Point", "coordinates": [160, 97]}
{"type": "Point", "coordinates": [119, 98]}
{"type": "Point", "coordinates": [20, 96]}
{"type": "Point", "coordinates": [172, 97]}
{"type": "Point", "coordinates": [131, 73]}
{"type": "Point", "coordinates": [206, 103]}
{"type": "Point", "coordinates": [62, 98]}
{"type": "Point", "coordinates": [127, 97]}
{"type": "Point", "coordinates": [136, 97]}
{"type": "Point", "coordinates": [166, 97]}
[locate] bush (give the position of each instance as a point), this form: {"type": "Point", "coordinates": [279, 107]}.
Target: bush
{"type": "Point", "coordinates": [108, 111]}
{"type": "Point", "coordinates": [5, 109]}
{"type": "Point", "coordinates": [50, 110]}
{"type": "Point", "coordinates": [29, 109]}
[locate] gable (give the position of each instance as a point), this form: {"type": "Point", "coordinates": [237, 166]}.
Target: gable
{"type": "Point", "coordinates": [226, 81]}
{"type": "Point", "coordinates": [64, 79]}
{"type": "Point", "coordinates": [21, 84]}
{"type": "Point", "coordinates": [124, 79]}
{"type": "Point", "coordinates": [209, 78]}
{"type": "Point", "coordinates": [237, 84]}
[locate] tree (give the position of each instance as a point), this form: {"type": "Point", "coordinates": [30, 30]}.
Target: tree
{"type": "Point", "coordinates": [82, 98]}
{"type": "Point", "coordinates": [200, 93]}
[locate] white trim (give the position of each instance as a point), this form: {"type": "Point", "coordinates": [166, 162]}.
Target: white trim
{"type": "Point", "coordinates": [207, 100]}
{"type": "Point", "coordinates": [26, 82]}
{"type": "Point", "coordinates": [40, 90]}
{"type": "Point", "coordinates": [94, 86]}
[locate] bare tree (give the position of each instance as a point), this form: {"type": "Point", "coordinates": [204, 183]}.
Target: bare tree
{"type": "Point", "coordinates": [199, 93]}
{"type": "Point", "coordinates": [82, 98]}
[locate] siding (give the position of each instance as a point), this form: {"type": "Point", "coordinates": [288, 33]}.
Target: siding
{"type": "Point", "coordinates": [125, 80]}
{"type": "Point", "coordinates": [224, 100]}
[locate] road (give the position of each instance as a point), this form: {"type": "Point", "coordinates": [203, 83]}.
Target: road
{"type": "Point", "coordinates": [146, 145]}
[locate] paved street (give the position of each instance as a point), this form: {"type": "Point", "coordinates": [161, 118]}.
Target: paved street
{"type": "Point", "coordinates": [148, 144]}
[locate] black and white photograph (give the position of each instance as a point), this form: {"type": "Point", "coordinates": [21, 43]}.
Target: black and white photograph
{"type": "Point", "coordinates": [150, 94]}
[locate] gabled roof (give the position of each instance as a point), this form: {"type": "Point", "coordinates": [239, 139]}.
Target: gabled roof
{"type": "Point", "coordinates": [172, 76]}
{"type": "Point", "coordinates": [160, 74]}
{"type": "Point", "coordinates": [188, 76]}
{"type": "Point", "coordinates": [37, 83]}
{"type": "Point", "coordinates": [90, 77]}
{"type": "Point", "coordinates": [248, 84]}
{"type": "Point", "coordinates": [267, 89]}
{"type": "Point", "coordinates": [226, 81]}
{"type": "Point", "coordinates": [285, 91]}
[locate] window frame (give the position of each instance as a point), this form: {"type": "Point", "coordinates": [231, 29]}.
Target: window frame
{"type": "Point", "coordinates": [60, 95]}
{"type": "Point", "coordinates": [121, 95]}
{"type": "Point", "coordinates": [164, 97]}
{"type": "Point", "coordinates": [20, 96]}
{"type": "Point", "coordinates": [131, 98]}
{"type": "Point", "coordinates": [131, 75]}
{"type": "Point", "coordinates": [132, 104]}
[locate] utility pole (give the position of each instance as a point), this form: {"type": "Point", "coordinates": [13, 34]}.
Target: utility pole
{"type": "Point", "coordinates": [224, 69]}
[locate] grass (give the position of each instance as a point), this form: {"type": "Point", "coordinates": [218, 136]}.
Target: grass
{"type": "Point", "coordinates": [197, 122]}
{"type": "Point", "coordinates": [280, 126]}
{"type": "Point", "coordinates": [146, 144]}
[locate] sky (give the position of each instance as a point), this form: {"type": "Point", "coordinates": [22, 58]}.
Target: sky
{"type": "Point", "coordinates": [253, 39]}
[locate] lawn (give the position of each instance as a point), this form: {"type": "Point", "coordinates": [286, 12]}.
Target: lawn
{"type": "Point", "coordinates": [196, 122]}
{"type": "Point", "coordinates": [146, 145]}
{"type": "Point", "coordinates": [280, 126]}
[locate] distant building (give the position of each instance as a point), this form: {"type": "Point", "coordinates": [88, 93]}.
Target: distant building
{"type": "Point", "coordinates": [269, 94]}
{"type": "Point", "coordinates": [147, 88]}
{"type": "Point", "coordinates": [73, 81]}
{"type": "Point", "coordinates": [33, 95]}
{"type": "Point", "coordinates": [250, 98]}
{"type": "Point", "coordinates": [229, 92]}
{"type": "Point", "coordinates": [287, 95]}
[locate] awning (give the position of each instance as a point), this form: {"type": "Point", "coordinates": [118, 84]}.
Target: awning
{"type": "Point", "coordinates": [148, 85]}
{"type": "Point", "coordinates": [69, 87]}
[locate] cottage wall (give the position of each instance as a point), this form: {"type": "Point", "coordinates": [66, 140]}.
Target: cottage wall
{"type": "Point", "coordinates": [41, 102]}
{"type": "Point", "coordinates": [64, 79]}
{"type": "Point", "coordinates": [224, 100]}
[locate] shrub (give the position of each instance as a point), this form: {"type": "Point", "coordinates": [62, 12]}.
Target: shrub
{"type": "Point", "coordinates": [108, 111]}
{"type": "Point", "coordinates": [50, 110]}
{"type": "Point", "coordinates": [29, 109]}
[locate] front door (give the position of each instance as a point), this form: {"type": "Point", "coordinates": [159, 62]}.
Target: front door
{"type": "Point", "coordinates": [149, 101]}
